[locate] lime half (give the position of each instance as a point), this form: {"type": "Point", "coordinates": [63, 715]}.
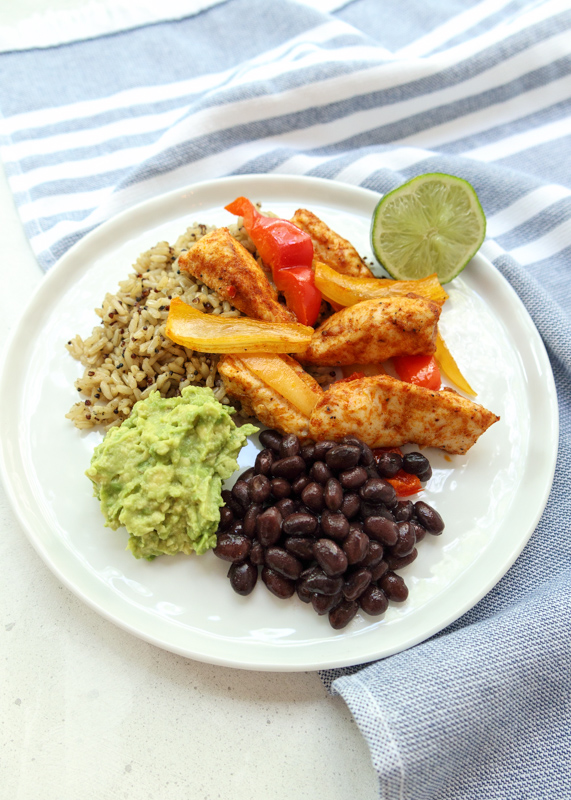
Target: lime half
{"type": "Point", "coordinates": [433, 223]}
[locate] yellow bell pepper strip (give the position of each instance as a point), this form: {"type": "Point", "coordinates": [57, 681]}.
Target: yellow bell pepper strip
{"type": "Point", "coordinates": [274, 371]}
{"type": "Point", "coordinates": [209, 333]}
{"type": "Point", "coordinates": [347, 290]}
{"type": "Point", "coordinates": [450, 368]}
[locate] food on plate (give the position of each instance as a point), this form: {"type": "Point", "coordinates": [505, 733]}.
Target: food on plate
{"type": "Point", "coordinates": [160, 473]}
{"type": "Point", "coordinates": [433, 223]}
{"type": "Point", "coordinates": [324, 520]}
{"type": "Point", "coordinates": [375, 330]}
{"type": "Point", "coordinates": [216, 334]}
{"type": "Point", "coordinates": [420, 370]}
{"type": "Point", "coordinates": [329, 247]}
{"type": "Point", "coordinates": [386, 412]}
{"type": "Point", "coordinates": [227, 267]}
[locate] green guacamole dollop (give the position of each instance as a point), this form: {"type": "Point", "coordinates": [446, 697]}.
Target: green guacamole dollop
{"type": "Point", "coordinates": [160, 473]}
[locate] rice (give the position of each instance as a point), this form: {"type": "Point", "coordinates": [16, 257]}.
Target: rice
{"type": "Point", "coordinates": [128, 356]}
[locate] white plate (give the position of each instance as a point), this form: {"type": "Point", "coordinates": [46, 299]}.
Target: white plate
{"type": "Point", "coordinates": [490, 499]}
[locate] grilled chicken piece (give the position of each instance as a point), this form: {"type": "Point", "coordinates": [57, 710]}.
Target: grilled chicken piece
{"type": "Point", "coordinates": [223, 264]}
{"type": "Point", "coordinates": [374, 330]}
{"type": "Point", "coordinates": [385, 412]}
{"type": "Point", "coordinates": [261, 401]}
{"type": "Point", "coordinates": [329, 247]}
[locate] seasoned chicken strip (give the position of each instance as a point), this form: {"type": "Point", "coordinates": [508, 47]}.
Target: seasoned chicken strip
{"type": "Point", "coordinates": [385, 412]}
{"type": "Point", "coordinates": [261, 401]}
{"type": "Point", "coordinates": [329, 247]}
{"type": "Point", "coordinates": [223, 264]}
{"type": "Point", "coordinates": [374, 330]}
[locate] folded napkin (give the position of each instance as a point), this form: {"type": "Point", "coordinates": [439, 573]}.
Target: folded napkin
{"type": "Point", "coordinates": [370, 94]}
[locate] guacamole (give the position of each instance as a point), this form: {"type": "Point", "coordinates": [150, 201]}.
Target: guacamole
{"type": "Point", "coordinates": [160, 473]}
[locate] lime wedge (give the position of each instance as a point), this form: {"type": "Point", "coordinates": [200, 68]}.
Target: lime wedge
{"type": "Point", "coordinates": [433, 223]}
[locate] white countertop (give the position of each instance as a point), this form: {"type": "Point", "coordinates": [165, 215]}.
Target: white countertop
{"type": "Point", "coordinates": [89, 711]}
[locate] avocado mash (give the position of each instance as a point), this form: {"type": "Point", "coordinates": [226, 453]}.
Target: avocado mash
{"type": "Point", "coordinates": [160, 473]}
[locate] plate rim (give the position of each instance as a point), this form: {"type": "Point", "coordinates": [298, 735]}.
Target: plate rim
{"type": "Point", "coordinates": [163, 200]}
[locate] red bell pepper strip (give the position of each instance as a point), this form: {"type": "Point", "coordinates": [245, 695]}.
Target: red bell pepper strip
{"type": "Point", "coordinates": [289, 252]}
{"type": "Point", "coordinates": [420, 370]}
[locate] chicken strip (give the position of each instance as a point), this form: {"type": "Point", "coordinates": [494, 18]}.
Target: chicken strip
{"type": "Point", "coordinates": [223, 264]}
{"type": "Point", "coordinates": [385, 412]}
{"type": "Point", "coordinates": [374, 330]}
{"type": "Point", "coordinates": [329, 247]}
{"type": "Point", "coordinates": [262, 401]}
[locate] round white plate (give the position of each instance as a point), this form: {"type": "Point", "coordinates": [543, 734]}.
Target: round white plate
{"type": "Point", "coordinates": [490, 499]}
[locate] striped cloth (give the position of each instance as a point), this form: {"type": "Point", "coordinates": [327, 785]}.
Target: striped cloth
{"type": "Point", "coordinates": [369, 94]}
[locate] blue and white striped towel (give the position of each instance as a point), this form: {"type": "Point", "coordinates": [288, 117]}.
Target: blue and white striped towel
{"type": "Point", "coordinates": [371, 94]}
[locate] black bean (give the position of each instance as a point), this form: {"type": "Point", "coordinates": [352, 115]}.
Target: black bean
{"type": "Point", "coordinates": [394, 562]}
{"type": "Point", "coordinates": [377, 490]}
{"type": "Point", "coordinates": [289, 446]}
{"type": "Point", "coordinates": [278, 585]}
{"type": "Point", "coordinates": [394, 587]}
{"type": "Point", "coordinates": [248, 474]}
{"type": "Point", "coordinates": [320, 472]}
{"type": "Point", "coordinates": [333, 494]}
{"type": "Point", "coordinates": [353, 478]}
{"type": "Point", "coordinates": [321, 449]}
{"type": "Point", "coordinates": [269, 526]}
{"type": "Point", "coordinates": [286, 506]}
{"type": "Point", "coordinates": [373, 556]}
{"type": "Point", "coordinates": [243, 577]}
{"type": "Point", "coordinates": [403, 511]}
{"type": "Point", "coordinates": [343, 456]}
{"type": "Point", "coordinates": [367, 457]}
{"type": "Point", "coordinates": [280, 488]}
{"type": "Point", "coordinates": [323, 603]}
{"type": "Point", "coordinates": [374, 601]}
{"type": "Point", "coordinates": [335, 525]}
{"type": "Point", "coordinates": [301, 523]}
{"type": "Point", "coordinates": [356, 583]}
{"type": "Point", "coordinates": [307, 452]}
{"type": "Point", "coordinates": [303, 592]}
{"type": "Point", "coordinates": [382, 530]}
{"type": "Point", "coordinates": [283, 562]}
{"type": "Point", "coordinates": [226, 518]}
{"type": "Point", "coordinates": [271, 439]}
{"type": "Point", "coordinates": [356, 546]}
{"type": "Point", "coordinates": [249, 521]}
{"type": "Point", "coordinates": [378, 570]}
{"type": "Point", "coordinates": [351, 505]}
{"type": "Point", "coordinates": [406, 540]}
{"type": "Point", "coordinates": [312, 496]}
{"type": "Point", "coordinates": [237, 527]}
{"type": "Point", "coordinates": [374, 510]}
{"type": "Point", "coordinates": [330, 557]}
{"type": "Point", "coordinates": [419, 531]}
{"type": "Point", "coordinates": [299, 484]}
{"type": "Point", "coordinates": [300, 546]}
{"type": "Point", "coordinates": [237, 508]}
{"type": "Point", "coordinates": [426, 475]}
{"type": "Point", "coordinates": [263, 462]}
{"type": "Point", "coordinates": [429, 518]}
{"type": "Point", "coordinates": [257, 553]}
{"type": "Point", "coordinates": [260, 488]}
{"type": "Point", "coordinates": [388, 464]}
{"type": "Point", "coordinates": [342, 614]}
{"type": "Point", "coordinates": [290, 467]}
{"type": "Point", "coordinates": [232, 547]}
{"type": "Point", "coordinates": [415, 464]}
{"type": "Point", "coordinates": [317, 581]}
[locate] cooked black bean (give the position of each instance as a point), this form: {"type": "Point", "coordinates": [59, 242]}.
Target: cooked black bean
{"type": "Point", "coordinates": [403, 511]}
{"type": "Point", "coordinates": [378, 570]}
{"type": "Point", "coordinates": [301, 523]}
{"type": "Point", "coordinates": [277, 584]}
{"type": "Point", "coordinates": [243, 577]}
{"type": "Point", "coordinates": [406, 540]}
{"type": "Point", "coordinates": [394, 587]}
{"type": "Point", "coordinates": [353, 478]}
{"type": "Point", "coordinates": [286, 506]}
{"type": "Point", "coordinates": [367, 457]}
{"type": "Point", "coordinates": [257, 553]}
{"type": "Point", "coordinates": [374, 601]}
{"type": "Point", "coordinates": [226, 518]}
{"type": "Point", "coordinates": [263, 462]}
{"type": "Point", "coordinates": [426, 475]}
{"type": "Point", "coordinates": [372, 471]}
{"type": "Point", "coordinates": [307, 452]}
{"type": "Point", "coordinates": [233, 504]}
{"type": "Point", "coordinates": [232, 547]}
{"type": "Point", "coordinates": [356, 583]}
{"type": "Point", "coordinates": [269, 526]}
{"type": "Point", "coordinates": [330, 557]}
{"type": "Point", "coordinates": [280, 488]}
{"type": "Point", "coordinates": [388, 464]}
{"type": "Point", "coordinates": [378, 490]}
{"type": "Point", "coordinates": [415, 464]}
{"type": "Point", "coordinates": [317, 581]}
{"type": "Point", "coordinates": [356, 545]}
{"type": "Point", "coordinates": [260, 488]}
{"type": "Point", "coordinates": [321, 449]}
{"type": "Point", "coordinates": [312, 496]}
{"type": "Point", "coordinates": [283, 562]}
{"type": "Point", "coordinates": [248, 474]}
{"type": "Point", "coordinates": [343, 456]}
{"type": "Point", "coordinates": [271, 439]}
{"type": "Point", "coordinates": [394, 562]}
{"type": "Point", "coordinates": [333, 494]}
{"type": "Point", "coordinates": [320, 472]}
{"type": "Point", "coordinates": [300, 546]}
{"type": "Point", "coordinates": [323, 603]}
{"type": "Point", "coordinates": [290, 467]}
{"type": "Point", "coordinates": [419, 531]}
{"type": "Point", "coordinates": [373, 556]}
{"type": "Point", "coordinates": [374, 510]}
{"type": "Point", "coordinates": [351, 505]}
{"type": "Point", "coordinates": [335, 525]}
{"type": "Point", "coordinates": [303, 592]}
{"type": "Point", "coordinates": [382, 530]}
{"type": "Point", "coordinates": [428, 517]}
{"type": "Point", "coordinates": [342, 614]}
{"type": "Point", "coordinates": [289, 446]}
{"type": "Point", "coordinates": [237, 527]}
{"type": "Point", "coordinates": [351, 439]}
{"type": "Point", "coordinates": [249, 521]}
{"type": "Point", "coordinates": [299, 484]}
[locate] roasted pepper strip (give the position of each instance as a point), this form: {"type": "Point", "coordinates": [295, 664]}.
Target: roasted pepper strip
{"type": "Point", "coordinates": [209, 333]}
{"type": "Point", "coordinates": [450, 368]}
{"type": "Point", "coordinates": [347, 290]}
{"type": "Point", "coordinates": [274, 371]}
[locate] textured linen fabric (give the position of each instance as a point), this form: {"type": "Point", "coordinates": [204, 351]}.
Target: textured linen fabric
{"type": "Point", "coordinates": [371, 94]}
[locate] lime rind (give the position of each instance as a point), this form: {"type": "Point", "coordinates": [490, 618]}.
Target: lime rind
{"type": "Point", "coordinates": [433, 223]}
